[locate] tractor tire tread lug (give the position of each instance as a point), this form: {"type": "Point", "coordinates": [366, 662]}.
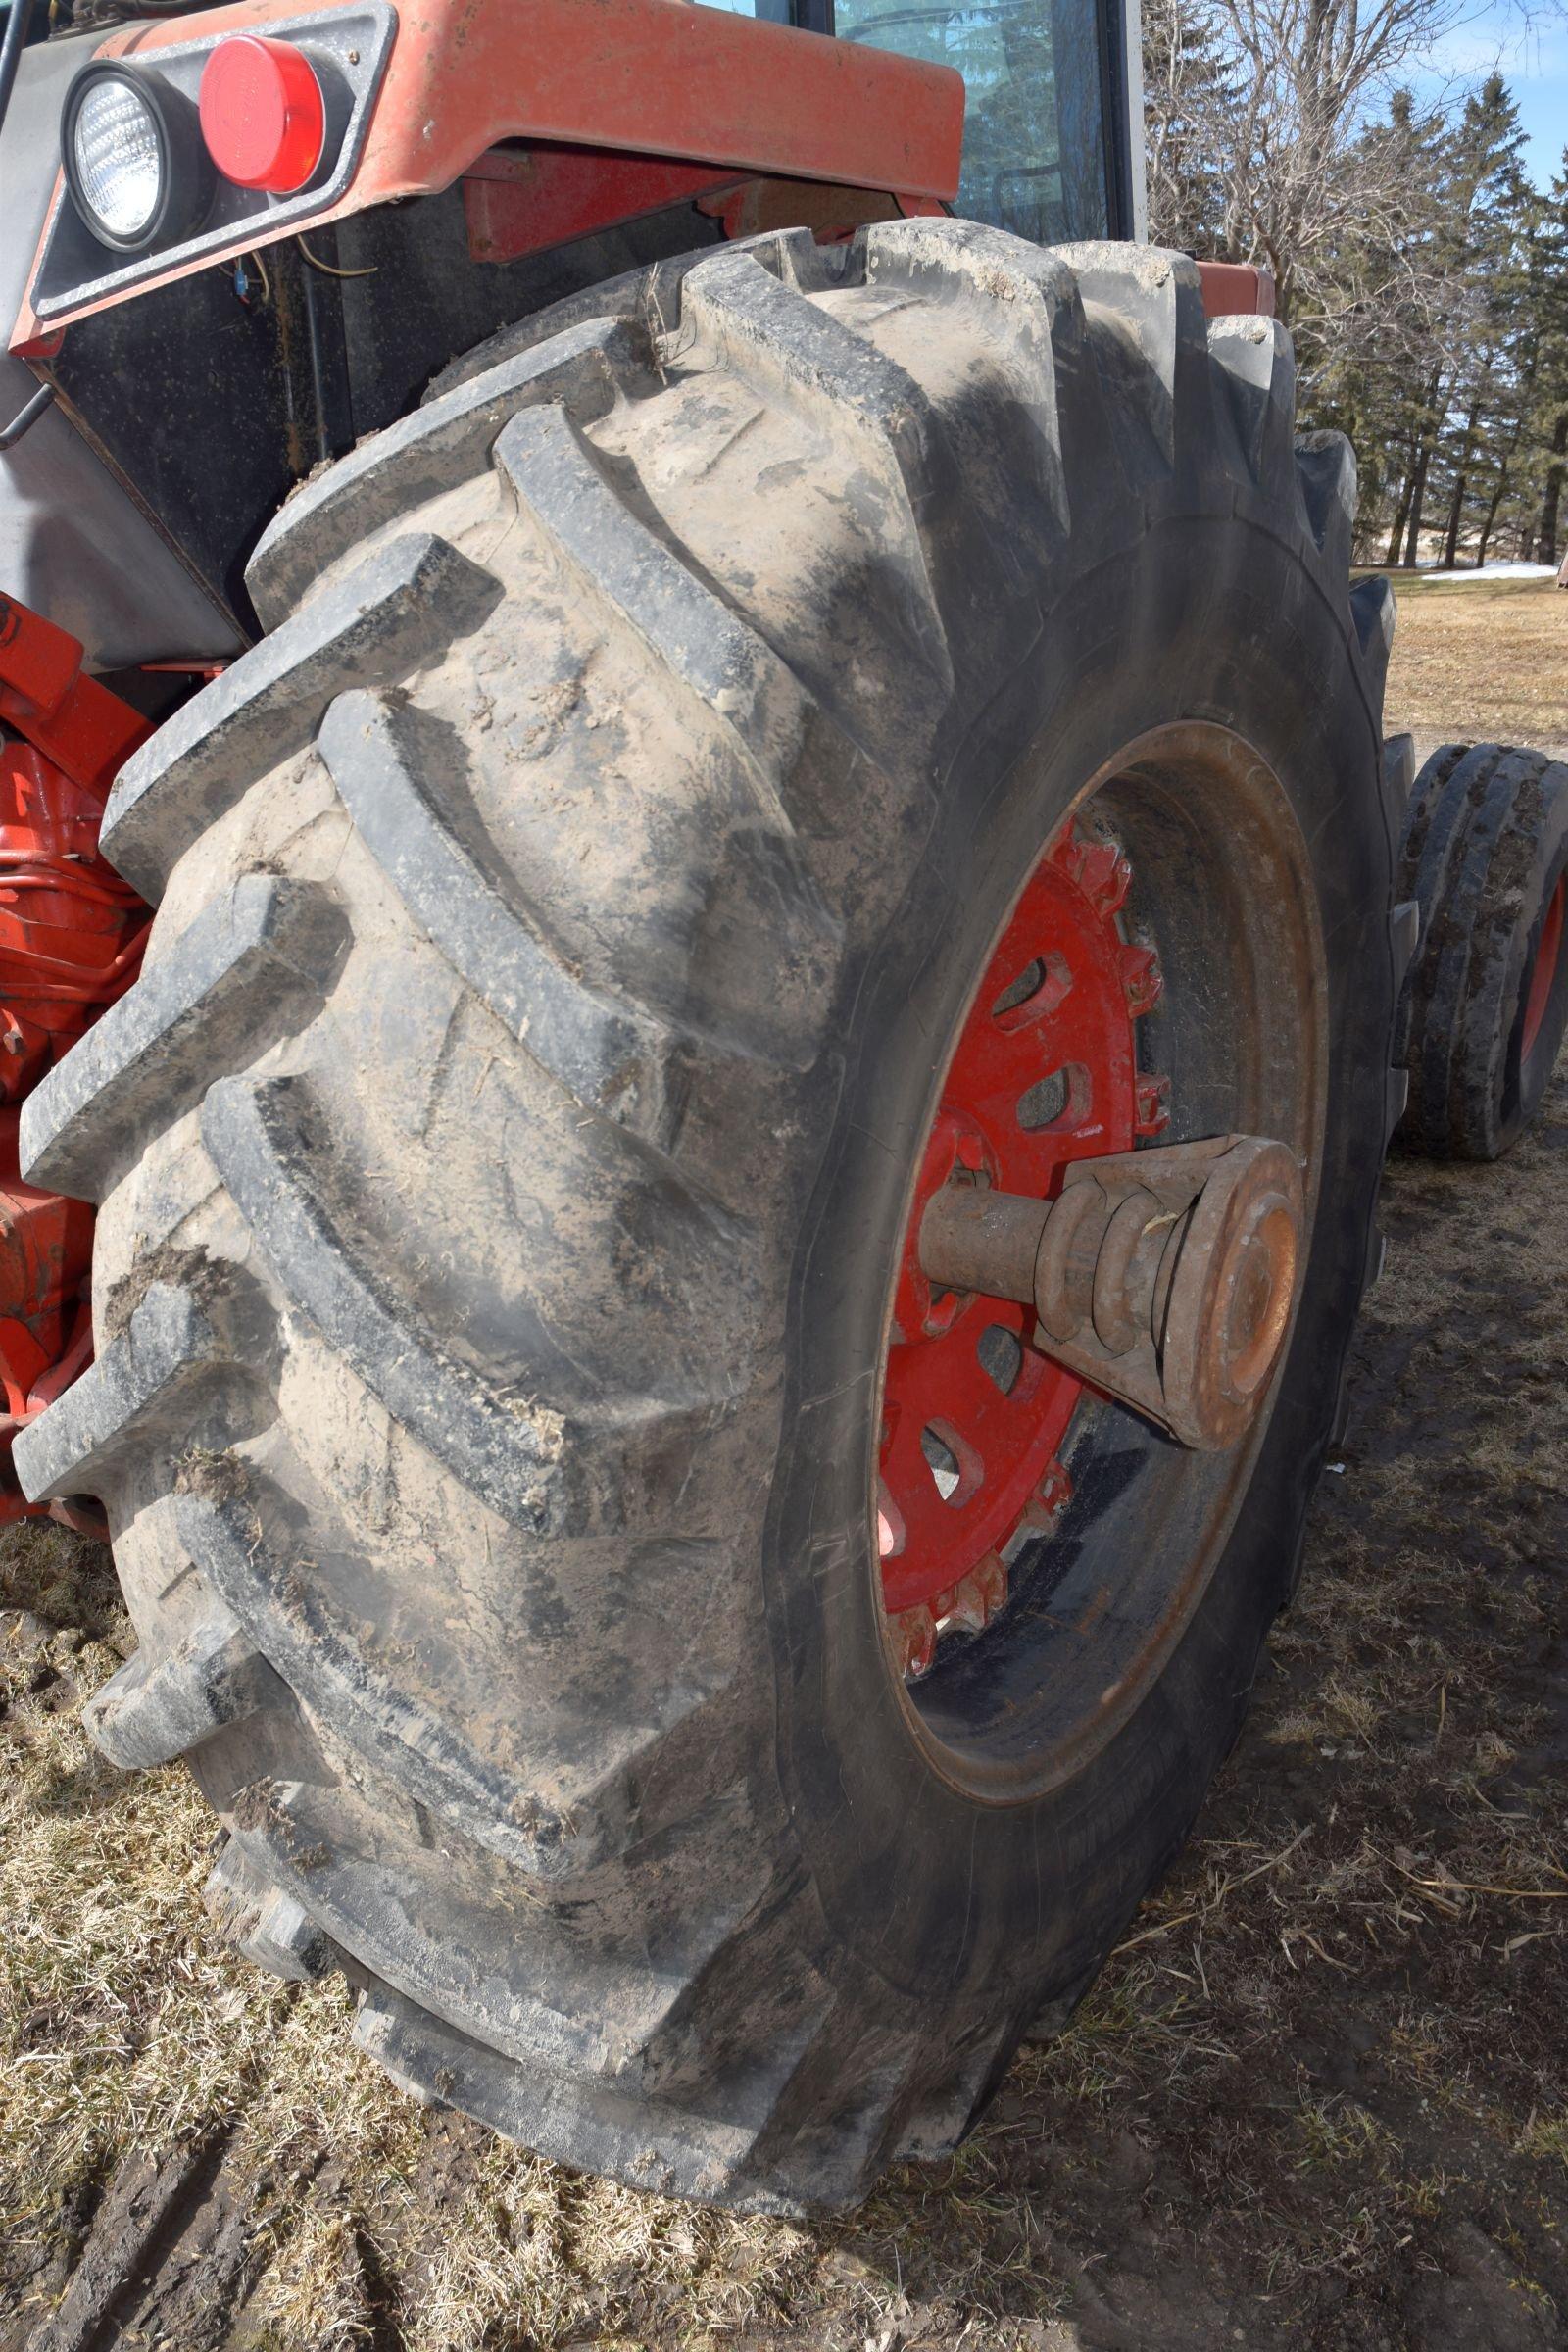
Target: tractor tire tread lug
{"type": "Point", "coordinates": [1325, 469]}
{"type": "Point", "coordinates": [792, 351]}
{"type": "Point", "coordinates": [253, 966]}
{"type": "Point", "coordinates": [140, 1389]}
{"type": "Point", "coordinates": [160, 1706]}
{"type": "Point", "coordinates": [1258, 373]}
{"type": "Point", "coordinates": [526, 1477]}
{"type": "Point", "coordinates": [589, 1042]}
{"type": "Point", "coordinates": [401, 606]}
{"type": "Point", "coordinates": [434, 449]}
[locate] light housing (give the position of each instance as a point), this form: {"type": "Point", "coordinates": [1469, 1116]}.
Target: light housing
{"type": "Point", "coordinates": [263, 116]}
{"type": "Point", "coordinates": [132, 156]}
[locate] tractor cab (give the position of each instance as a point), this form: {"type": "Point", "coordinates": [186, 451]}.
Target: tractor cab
{"type": "Point", "coordinates": [1050, 93]}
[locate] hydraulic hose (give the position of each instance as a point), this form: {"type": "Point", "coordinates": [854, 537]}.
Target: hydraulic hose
{"type": "Point", "coordinates": [11, 48]}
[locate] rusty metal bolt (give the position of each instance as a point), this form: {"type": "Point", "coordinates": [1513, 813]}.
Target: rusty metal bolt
{"type": "Point", "coordinates": [1232, 1289]}
{"type": "Point", "coordinates": [1165, 1277]}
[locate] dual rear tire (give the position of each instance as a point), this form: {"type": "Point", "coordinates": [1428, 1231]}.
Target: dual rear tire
{"type": "Point", "coordinates": [1485, 1003]}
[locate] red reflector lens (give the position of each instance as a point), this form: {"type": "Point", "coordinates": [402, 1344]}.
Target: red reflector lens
{"type": "Point", "coordinates": [262, 113]}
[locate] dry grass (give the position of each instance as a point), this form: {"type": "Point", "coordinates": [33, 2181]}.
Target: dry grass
{"type": "Point", "coordinates": [130, 2031]}
{"type": "Point", "coordinates": [1319, 2099]}
{"type": "Point", "coordinates": [1481, 662]}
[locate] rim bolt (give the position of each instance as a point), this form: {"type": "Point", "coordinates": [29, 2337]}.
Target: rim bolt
{"type": "Point", "coordinates": [943, 1312]}
{"type": "Point", "coordinates": [915, 1642]}
{"type": "Point", "coordinates": [1100, 869]}
{"type": "Point", "coordinates": [1152, 1114]}
{"type": "Point", "coordinates": [975, 1599]}
{"type": "Point", "coordinates": [1142, 978]}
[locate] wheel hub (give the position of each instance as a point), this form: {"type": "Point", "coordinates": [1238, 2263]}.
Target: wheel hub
{"type": "Point", "coordinates": [1041, 1254]}
{"type": "Point", "coordinates": [1165, 1277]}
{"type": "Point", "coordinates": [1043, 1075]}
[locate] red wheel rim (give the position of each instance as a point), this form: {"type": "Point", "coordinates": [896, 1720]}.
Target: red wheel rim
{"type": "Point", "coordinates": [1044, 1072]}
{"type": "Point", "coordinates": [1543, 971]}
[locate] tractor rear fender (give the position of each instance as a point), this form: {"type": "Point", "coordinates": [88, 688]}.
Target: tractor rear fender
{"type": "Point", "coordinates": [436, 89]}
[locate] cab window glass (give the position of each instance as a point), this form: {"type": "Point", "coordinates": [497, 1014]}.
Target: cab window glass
{"type": "Point", "coordinates": [1034, 141]}
{"type": "Point", "coordinates": [775, 12]}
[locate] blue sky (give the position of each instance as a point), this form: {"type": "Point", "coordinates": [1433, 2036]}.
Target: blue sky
{"type": "Point", "coordinates": [1534, 58]}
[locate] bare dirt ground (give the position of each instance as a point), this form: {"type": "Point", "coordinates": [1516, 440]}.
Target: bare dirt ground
{"type": "Point", "coordinates": [1319, 2098]}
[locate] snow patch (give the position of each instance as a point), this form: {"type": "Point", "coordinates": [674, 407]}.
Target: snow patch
{"type": "Point", "coordinates": [1493, 572]}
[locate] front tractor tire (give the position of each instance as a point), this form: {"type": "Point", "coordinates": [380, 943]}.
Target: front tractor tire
{"type": "Point", "coordinates": [580, 920]}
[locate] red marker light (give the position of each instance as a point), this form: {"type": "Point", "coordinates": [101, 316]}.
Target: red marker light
{"type": "Point", "coordinates": [262, 113]}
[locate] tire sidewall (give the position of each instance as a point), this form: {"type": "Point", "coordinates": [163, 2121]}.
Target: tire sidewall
{"type": "Point", "coordinates": [916, 1882]}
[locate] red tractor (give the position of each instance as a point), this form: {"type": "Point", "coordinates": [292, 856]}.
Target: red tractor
{"type": "Point", "coordinates": [733, 1191]}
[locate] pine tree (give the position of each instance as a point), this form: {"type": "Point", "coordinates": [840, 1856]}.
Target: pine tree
{"type": "Point", "coordinates": [1490, 313]}
{"type": "Point", "coordinates": [1549, 275]}
{"type": "Point", "coordinates": [1424, 282]}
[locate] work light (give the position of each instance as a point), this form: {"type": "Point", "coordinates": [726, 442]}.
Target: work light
{"type": "Point", "coordinates": [133, 157]}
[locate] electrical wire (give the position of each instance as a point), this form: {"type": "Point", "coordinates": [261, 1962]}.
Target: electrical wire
{"type": "Point", "coordinates": [329, 270]}
{"type": "Point", "coordinates": [237, 270]}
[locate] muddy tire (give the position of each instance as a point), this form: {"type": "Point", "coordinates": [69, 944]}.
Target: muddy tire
{"type": "Point", "coordinates": [1485, 1002]}
{"type": "Point", "coordinates": [504, 1158]}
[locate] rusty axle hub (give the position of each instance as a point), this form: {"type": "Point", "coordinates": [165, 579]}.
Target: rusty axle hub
{"type": "Point", "coordinates": [1164, 1277]}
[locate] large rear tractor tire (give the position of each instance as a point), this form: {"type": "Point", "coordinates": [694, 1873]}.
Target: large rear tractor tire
{"type": "Point", "coordinates": [711, 1692]}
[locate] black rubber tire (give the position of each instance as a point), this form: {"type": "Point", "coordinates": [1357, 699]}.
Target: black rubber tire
{"type": "Point", "coordinates": [1483, 852]}
{"type": "Point", "coordinates": [504, 1154]}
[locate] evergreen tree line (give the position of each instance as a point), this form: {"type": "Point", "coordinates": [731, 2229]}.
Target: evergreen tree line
{"type": "Point", "coordinates": [1423, 276]}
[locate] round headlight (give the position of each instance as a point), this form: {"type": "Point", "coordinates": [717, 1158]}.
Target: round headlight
{"type": "Point", "coordinates": [134, 162]}
{"type": "Point", "coordinates": [118, 158]}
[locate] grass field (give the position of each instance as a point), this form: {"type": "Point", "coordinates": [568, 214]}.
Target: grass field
{"type": "Point", "coordinates": [1480, 661]}
{"type": "Point", "coordinates": [1318, 2101]}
